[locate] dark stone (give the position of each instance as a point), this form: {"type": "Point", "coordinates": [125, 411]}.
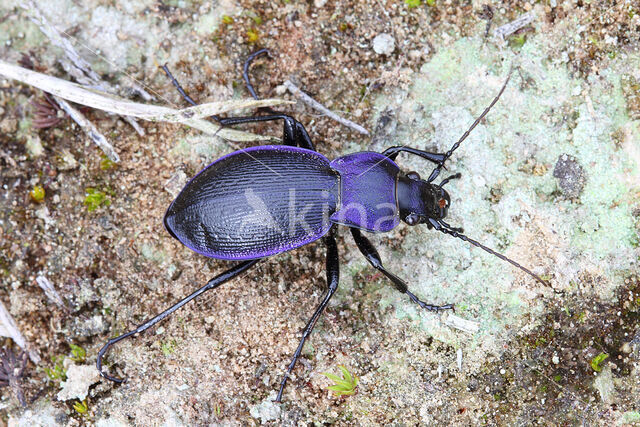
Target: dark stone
{"type": "Point", "coordinates": [570, 175]}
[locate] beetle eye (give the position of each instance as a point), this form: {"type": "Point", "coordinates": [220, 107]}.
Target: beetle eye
{"type": "Point", "coordinates": [413, 175]}
{"type": "Point", "coordinates": [412, 219]}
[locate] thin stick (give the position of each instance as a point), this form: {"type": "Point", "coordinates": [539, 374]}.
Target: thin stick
{"type": "Point", "coordinates": [89, 128]}
{"type": "Point", "coordinates": [8, 328]}
{"type": "Point", "coordinates": [507, 29]}
{"type": "Point", "coordinates": [49, 290]}
{"type": "Point", "coordinates": [79, 68]}
{"type": "Point", "coordinates": [295, 91]}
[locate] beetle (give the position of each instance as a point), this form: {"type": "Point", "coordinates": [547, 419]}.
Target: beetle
{"type": "Point", "coordinates": [265, 200]}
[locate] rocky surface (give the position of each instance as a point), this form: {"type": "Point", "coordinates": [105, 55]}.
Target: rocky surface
{"type": "Point", "coordinates": [549, 178]}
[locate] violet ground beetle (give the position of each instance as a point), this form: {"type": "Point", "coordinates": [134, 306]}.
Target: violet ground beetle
{"type": "Point", "coordinates": [265, 200]}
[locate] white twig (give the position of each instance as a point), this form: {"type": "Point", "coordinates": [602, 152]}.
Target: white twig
{"type": "Point", "coordinates": [49, 290]}
{"type": "Point", "coordinates": [89, 129]}
{"type": "Point", "coordinates": [77, 67]}
{"type": "Point", "coordinates": [113, 104]}
{"type": "Point", "coordinates": [468, 326]}
{"type": "Point", "coordinates": [507, 29]}
{"type": "Point", "coordinates": [295, 91]}
{"type": "Point", "coordinates": [8, 328]}
{"type": "Point", "coordinates": [191, 116]}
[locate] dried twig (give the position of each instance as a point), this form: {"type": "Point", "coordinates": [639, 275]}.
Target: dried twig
{"type": "Point", "coordinates": [8, 328]}
{"type": "Point", "coordinates": [324, 110]}
{"type": "Point", "coordinates": [191, 116]}
{"type": "Point", "coordinates": [456, 322]}
{"type": "Point", "coordinates": [507, 29]}
{"type": "Point", "coordinates": [49, 290]}
{"type": "Point", "coordinates": [89, 129]}
{"type": "Point", "coordinates": [77, 67]}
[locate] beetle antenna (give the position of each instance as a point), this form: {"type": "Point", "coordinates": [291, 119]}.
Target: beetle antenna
{"type": "Point", "coordinates": [455, 146]}
{"type": "Point", "coordinates": [446, 229]}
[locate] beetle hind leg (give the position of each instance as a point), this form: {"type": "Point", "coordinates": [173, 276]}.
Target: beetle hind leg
{"type": "Point", "coordinates": [333, 277]}
{"type": "Point", "coordinates": [212, 284]}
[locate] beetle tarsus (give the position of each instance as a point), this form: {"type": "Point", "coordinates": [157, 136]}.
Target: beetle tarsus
{"type": "Point", "coordinates": [430, 307]}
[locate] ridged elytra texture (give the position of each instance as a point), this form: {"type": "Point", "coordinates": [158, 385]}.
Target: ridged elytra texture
{"type": "Point", "coordinates": [255, 203]}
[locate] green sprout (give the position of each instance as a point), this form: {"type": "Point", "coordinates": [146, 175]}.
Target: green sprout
{"type": "Point", "coordinates": [37, 194]}
{"type": "Point", "coordinates": [81, 407]}
{"type": "Point", "coordinates": [95, 198]}
{"type": "Point", "coordinates": [345, 385]}
{"type": "Point", "coordinates": [227, 20]}
{"type": "Point", "coordinates": [252, 35]}
{"type": "Point", "coordinates": [596, 361]}
{"type": "Point", "coordinates": [78, 354]}
{"type": "Point", "coordinates": [106, 163]}
{"type": "Point", "coordinates": [518, 40]}
{"type": "Point", "coordinates": [257, 19]}
{"type": "Point", "coordinates": [412, 4]}
{"type": "Point", "coordinates": [57, 372]}
{"type": "Point", "coordinates": [431, 3]}
{"type": "Point", "coordinates": [169, 347]}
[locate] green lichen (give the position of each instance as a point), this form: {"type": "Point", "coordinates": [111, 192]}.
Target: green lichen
{"type": "Point", "coordinates": [451, 90]}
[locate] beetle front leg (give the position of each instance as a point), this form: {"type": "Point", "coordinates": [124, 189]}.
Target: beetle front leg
{"type": "Point", "coordinates": [371, 254]}
{"type": "Point", "coordinates": [392, 153]}
{"type": "Point", "coordinates": [333, 277]}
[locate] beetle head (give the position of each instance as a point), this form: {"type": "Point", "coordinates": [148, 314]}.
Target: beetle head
{"type": "Point", "coordinates": [419, 200]}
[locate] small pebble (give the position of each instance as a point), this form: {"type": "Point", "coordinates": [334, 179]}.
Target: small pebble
{"type": "Point", "coordinates": [384, 44]}
{"type": "Point", "coordinates": [570, 175]}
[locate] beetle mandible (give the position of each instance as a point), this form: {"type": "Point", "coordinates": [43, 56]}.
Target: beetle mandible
{"type": "Point", "coordinates": [264, 200]}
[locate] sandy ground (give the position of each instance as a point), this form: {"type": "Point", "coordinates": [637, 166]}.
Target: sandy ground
{"type": "Point", "coordinates": [549, 177]}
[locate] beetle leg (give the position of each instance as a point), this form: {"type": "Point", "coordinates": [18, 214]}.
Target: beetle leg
{"type": "Point", "coordinates": [245, 70]}
{"type": "Point", "coordinates": [371, 254]}
{"type": "Point", "coordinates": [392, 153]}
{"type": "Point", "coordinates": [177, 85]}
{"type": "Point", "coordinates": [333, 277]}
{"type": "Point", "coordinates": [181, 90]}
{"type": "Point", "coordinates": [212, 284]}
{"type": "Point", "coordinates": [294, 132]}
